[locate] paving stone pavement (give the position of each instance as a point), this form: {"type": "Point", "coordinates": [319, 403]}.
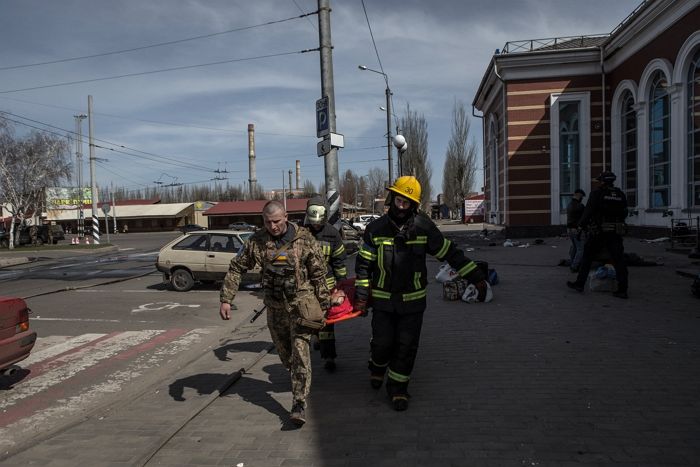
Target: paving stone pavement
{"type": "Point", "coordinates": [541, 376]}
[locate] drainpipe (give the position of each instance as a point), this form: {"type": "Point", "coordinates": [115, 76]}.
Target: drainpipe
{"type": "Point", "coordinates": [505, 143]}
{"type": "Point", "coordinates": [602, 78]}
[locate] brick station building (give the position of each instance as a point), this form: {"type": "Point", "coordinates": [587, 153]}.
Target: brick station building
{"type": "Point", "coordinates": [558, 111]}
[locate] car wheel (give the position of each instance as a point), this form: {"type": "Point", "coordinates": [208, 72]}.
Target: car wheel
{"type": "Point", "coordinates": [181, 280]}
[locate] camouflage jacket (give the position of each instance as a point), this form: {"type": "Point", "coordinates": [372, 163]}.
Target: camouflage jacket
{"type": "Point", "coordinates": [304, 253]}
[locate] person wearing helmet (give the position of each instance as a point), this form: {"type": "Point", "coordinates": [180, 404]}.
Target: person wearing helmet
{"type": "Point", "coordinates": [574, 211]}
{"type": "Point", "coordinates": [604, 220]}
{"type": "Point", "coordinates": [391, 274]}
{"type": "Point", "coordinates": [335, 255]}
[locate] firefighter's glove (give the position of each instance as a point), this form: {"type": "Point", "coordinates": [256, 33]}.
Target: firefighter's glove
{"type": "Point", "coordinates": [361, 306]}
{"type": "Point", "coordinates": [485, 294]}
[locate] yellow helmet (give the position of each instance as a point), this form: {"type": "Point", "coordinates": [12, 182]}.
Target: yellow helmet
{"type": "Point", "coordinates": [408, 187]}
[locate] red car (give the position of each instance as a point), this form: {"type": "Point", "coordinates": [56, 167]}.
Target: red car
{"type": "Point", "coordinates": [16, 340]}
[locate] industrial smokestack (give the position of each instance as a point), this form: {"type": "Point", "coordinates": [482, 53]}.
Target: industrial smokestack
{"type": "Point", "coordinates": [290, 180]}
{"type": "Point", "coordinates": [298, 174]}
{"type": "Point", "coordinates": [252, 179]}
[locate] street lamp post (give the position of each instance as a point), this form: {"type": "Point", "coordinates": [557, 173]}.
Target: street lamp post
{"type": "Point", "coordinates": [388, 118]}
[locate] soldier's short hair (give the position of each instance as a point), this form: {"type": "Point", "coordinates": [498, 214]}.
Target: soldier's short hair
{"type": "Point", "coordinates": [272, 207]}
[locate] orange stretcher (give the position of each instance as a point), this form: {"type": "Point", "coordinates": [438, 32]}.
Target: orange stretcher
{"type": "Point", "coordinates": [346, 309]}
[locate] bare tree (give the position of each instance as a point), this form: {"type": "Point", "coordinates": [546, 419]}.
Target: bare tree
{"type": "Point", "coordinates": [28, 166]}
{"type": "Point", "coordinates": [376, 180]}
{"type": "Point", "coordinates": [309, 189]}
{"type": "Point", "coordinates": [415, 160]}
{"type": "Point", "coordinates": [460, 160]}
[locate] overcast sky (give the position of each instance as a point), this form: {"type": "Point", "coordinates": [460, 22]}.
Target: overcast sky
{"type": "Point", "coordinates": [193, 121]}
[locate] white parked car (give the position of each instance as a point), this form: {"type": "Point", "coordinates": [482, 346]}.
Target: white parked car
{"type": "Point", "coordinates": [199, 256]}
{"type": "Point", "coordinates": [362, 220]}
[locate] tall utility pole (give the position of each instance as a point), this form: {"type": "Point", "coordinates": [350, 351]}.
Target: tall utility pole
{"type": "Point", "coordinates": [93, 181]}
{"type": "Point", "coordinates": [79, 163]}
{"type": "Point", "coordinates": [331, 158]}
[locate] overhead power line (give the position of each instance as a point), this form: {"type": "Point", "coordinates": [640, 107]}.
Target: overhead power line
{"type": "Point", "coordinates": [162, 70]}
{"type": "Point", "coordinates": [150, 46]}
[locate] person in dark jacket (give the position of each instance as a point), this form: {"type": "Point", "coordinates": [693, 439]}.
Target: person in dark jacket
{"type": "Point", "coordinates": [604, 220]}
{"type": "Point", "coordinates": [574, 211]}
{"type": "Point", "coordinates": [391, 275]}
{"type": "Point", "coordinates": [334, 254]}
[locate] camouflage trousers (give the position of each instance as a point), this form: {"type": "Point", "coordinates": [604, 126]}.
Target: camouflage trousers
{"type": "Point", "coordinates": [293, 347]}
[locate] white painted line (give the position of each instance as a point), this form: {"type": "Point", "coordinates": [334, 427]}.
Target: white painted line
{"type": "Point", "coordinates": [41, 355]}
{"type": "Point", "coordinates": [89, 320]}
{"type": "Point", "coordinates": [114, 383]}
{"type": "Point", "coordinates": [73, 363]}
{"type": "Point", "coordinates": [126, 249]}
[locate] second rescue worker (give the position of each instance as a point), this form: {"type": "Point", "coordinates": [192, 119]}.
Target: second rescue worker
{"type": "Point", "coordinates": [334, 254]}
{"type": "Point", "coordinates": [391, 273]}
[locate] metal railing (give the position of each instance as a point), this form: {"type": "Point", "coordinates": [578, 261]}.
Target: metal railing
{"type": "Point", "coordinates": [554, 43]}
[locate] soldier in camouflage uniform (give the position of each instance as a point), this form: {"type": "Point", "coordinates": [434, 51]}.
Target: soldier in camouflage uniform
{"type": "Point", "coordinates": [293, 278]}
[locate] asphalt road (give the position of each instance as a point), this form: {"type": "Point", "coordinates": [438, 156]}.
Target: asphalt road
{"type": "Point", "coordinates": [107, 327]}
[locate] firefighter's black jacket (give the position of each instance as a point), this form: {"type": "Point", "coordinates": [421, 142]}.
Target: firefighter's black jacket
{"type": "Point", "coordinates": [333, 252]}
{"type": "Point", "coordinates": [390, 265]}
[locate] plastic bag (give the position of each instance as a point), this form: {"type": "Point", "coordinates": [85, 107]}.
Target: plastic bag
{"type": "Point", "coordinates": [446, 273]}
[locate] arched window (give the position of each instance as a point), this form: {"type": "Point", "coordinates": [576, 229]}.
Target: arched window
{"type": "Point", "coordinates": [659, 143]}
{"type": "Point", "coordinates": [569, 151]}
{"type": "Point", "coordinates": [694, 132]}
{"type": "Point", "coordinates": [628, 138]}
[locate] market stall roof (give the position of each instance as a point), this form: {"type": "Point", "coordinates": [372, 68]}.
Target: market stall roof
{"type": "Point", "coordinates": [153, 211]}
{"type": "Point", "coordinates": [227, 208]}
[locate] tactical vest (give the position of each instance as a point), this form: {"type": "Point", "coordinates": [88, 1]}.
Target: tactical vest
{"type": "Point", "coordinates": [279, 276]}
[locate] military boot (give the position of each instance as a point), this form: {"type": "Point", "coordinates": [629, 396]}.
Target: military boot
{"type": "Point", "coordinates": [400, 402]}
{"type": "Point", "coordinates": [297, 415]}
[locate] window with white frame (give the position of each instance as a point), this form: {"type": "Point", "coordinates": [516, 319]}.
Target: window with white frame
{"type": "Point", "coordinates": [493, 162]}
{"type": "Point", "coordinates": [569, 151]}
{"type": "Point", "coordinates": [628, 139]}
{"type": "Point", "coordinates": [694, 132]}
{"type": "Point", "coordinates": [659, 143]}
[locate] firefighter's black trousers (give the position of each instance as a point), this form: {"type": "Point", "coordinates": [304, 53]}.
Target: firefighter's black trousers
{"type": "Point", "coordinates": [395, 339]}
{"type": "Point", "coordinates": [326, 340]}
{"type": "Point", "coordinates": [594, 244]}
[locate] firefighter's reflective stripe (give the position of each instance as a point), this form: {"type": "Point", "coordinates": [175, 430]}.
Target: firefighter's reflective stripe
{"type": "Point", "coordinates": [367, 252]}
{"type": "Point", "coordinates": [444, 249]}
{"type": "Point", "coordinates": [379, 241]}
{"type": "Point", "coordinates": [361, 282]}
{"type": "Point", "coordinates": [382, 269]}
{"type": "Point", "coordinates": [398, 376]}
{"type": "Point", "coordinates": [376, 293]}
{"type": "Point", "coordinates": [419, 240]}
{"type": "Point", "coordinates": [467, 268]}
{"type": "Point", "coordinates": [407, 297]}
{"type": "Point", "coordinates": [341, 273]}
{"type": "Point", "coordinates": [380, 365]}
{"type": "Point", "coordinates": [330, 282]}
{"type": "Point", "coordinates": [416, 280]}
{"type": "Point", "coordinates": [338, 251]}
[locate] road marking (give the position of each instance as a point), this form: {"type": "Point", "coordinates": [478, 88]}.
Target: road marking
{"type": "Point", "coordinates": [92, 320]}
{"type": "Point", "coordinates": [70, 344]}
{"type": "Point", "coordinates": [68, 364]}
{"type": "Point", "coordinates": [158, 306]}
{"type": "Point", "coordinates": [50, 406]}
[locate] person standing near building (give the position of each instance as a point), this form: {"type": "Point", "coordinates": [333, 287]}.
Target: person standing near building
{"type": "Point", "coordinates": [574, 211]}
{"type": "Point", "coordinates": [334, 254]}
{"type": "Point", "coordinates": [293, 280]}
{"type": "Point", "coordinates": [604, 220]}
{"type": "Point", "coordinates": [391, 276]}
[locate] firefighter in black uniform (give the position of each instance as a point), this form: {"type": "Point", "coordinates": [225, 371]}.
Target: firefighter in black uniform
{"type": "Point", "coordinates": [335, 255]}
{"type": "Point", "coordinates": [604, 219]}
{"type": "Point", "coordinates": [392, 278]}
